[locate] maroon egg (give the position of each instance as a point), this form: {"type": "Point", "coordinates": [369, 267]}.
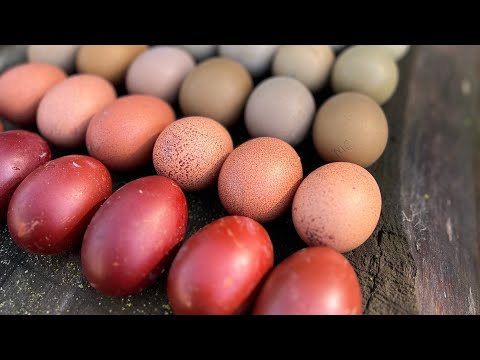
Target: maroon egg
{"type": "Point", "coordinates": [50, 210]}
{"type": "Point", "coordinates": [21, 152]}
{"type": "Point", "coordinates": [133, 235]}
{"type": "Point", "coordinates": [312, 281]}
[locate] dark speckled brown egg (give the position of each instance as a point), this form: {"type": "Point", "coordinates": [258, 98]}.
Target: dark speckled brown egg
{"type": "Point", "coordinates": [338, 205]}
{"type": "Point", "coordinates": [191, 151]}
{"type": "Point", "coordinates": [123, 135]}
{"type": "Point", "coordinates": [259, 179]}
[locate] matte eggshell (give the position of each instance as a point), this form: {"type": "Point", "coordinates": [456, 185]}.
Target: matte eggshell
{"type": "Point", "coordinates": [367, 70]}
{"type": "Point", "coordinates": [123, 135]}
{"type": "Point", "coordinates": [259, 179]}
{"type": "Point", "coordinates": [23, 87]}
{"type": "Point", "coordinates": [62, 56]}
{"type": "Point", "coordinates": [280, 107]}
{"type": "Point", "coordinates": [200, 52]}
{"type": "Point", "coordinates": [256, 58]}
{"type": "Point", "coordinates": [337, 205]}
{"type": "Point", "coordinates": [217, 88]}
{"type": "Point", "coordinates": [191, 152]}
{"type": "Point", "coordinates": [160, 72]}
{"type": "Point", "coordinates": [108, 61]}
{"type": "Point", "coordinates": [350, 127]}
{"type": "Point", "coordinates": [65, 112]}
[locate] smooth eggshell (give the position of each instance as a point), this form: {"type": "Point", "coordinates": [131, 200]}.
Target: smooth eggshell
{"type": "Point", "coordinates": [200, 52]}
{"type": "Point", "coordinates": [108, 61]}
{"type": "Point", "coordinates": [217, 88]}
{"type": "Point", "coordinates": [62, 56]}
{"type": "Point", "coordinates": [350, 127]}
{"type": "Point", "coordinates": [280, 107]}
{"type": "Point", "coordinates": [191, 151]}
{"type": "Point", "coordinates": [259, 179]}
{"type": "Point", "coordinates": [123, 135]}
{"type": "Point", "coordinates": [337, 205]}
{"type": "Point", "coordinates": [256, 58]}
{"type": "Point", "coordinates": [65, 112]}
{"type": "Point", "coordinates": [310, 64]}
{"type": "Point", "coordinates": [160, 72]}
{"type": "Point", "coordinates": [367, 70]}
{"type": "Point", "coordinates": [397, 52]}
{"type": "Point", "coordinates": [23, 87]}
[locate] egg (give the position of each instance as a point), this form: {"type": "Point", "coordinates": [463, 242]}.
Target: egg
{"type": "Point", "coordinates": [66, 110]}
{"type": "Point", "coordinates": [218, 88]}
{"type": "Point", "coordinates": [191, 152]}
{"type": "Point", "coordinates": [350, 127]}
{"type": "Point", "coordinates": [160, 72]}
{"type": "Point", "coordinates": [310, 64]}
{"type": "Point", "coordinates": [1, 127]}
{"type": "Point", "coordinates": [62, 56]}
{"type": "Point", "coordinates": [256, 58]}
{"type": "Point", "coordinates": [123, 135]}
{"type": "Point", "coordinates": [280, 107]}
{"type": "Point", "coordinates": [397, 52]}
{"type": "Point", "coordinates": [338, 205]}
{"type": "Point", "coordinates": [367, 70]}
{"type": "Point", "coordinates": [108, 61]}
{"type": "Point", "coordinates": [259, 179]}
{"type": "Point", "coordinates": [200, 52]}
{"type": "Point", "coordinates": [21, 89]}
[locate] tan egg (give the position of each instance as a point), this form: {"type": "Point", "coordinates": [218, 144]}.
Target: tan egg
{"type": "Point", "coordinates": [337, 205]}
{"type": "Point", "coordinates": [310, 64]}
{"type": "Point", "coordinates": [22, 88]}
{"type": "Point", "coordinates": [191, 152]}
{"type": "Point", "coordinates": [217, 88]}
{"type": "Point", "coordinates": [350, 127]}
{"type": "Point", "coordinates": [259, 179]}
{"type": "Point", "coordinates": [367, 70]}
{"type": "Point", "coordinates": [66, 110]}
{"type": "Point", "coordinates": [62, 56]}
{"type": "Point", "coordinates": [123, 135]}
{"type": "Point", "coordinates": [108, 61]}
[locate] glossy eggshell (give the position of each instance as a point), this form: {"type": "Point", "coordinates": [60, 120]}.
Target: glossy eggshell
{"type": "Point", "coordinates": [312, 281]}
{"type": "Point", "coordinates": [259, 179]}
{"type": "Point", "coordinates": [123, 135]}
{"type": "Point", "coordinates": [218, 270]}
{"type": "Point", "coordinates": [21, 89]}
{"type": "Point", "coordinates": [66, 110]}
{"type": "Point", "coordinates": [191, 151]}
{"type": "Point", "coordinates": [21, 152]}
{"type": "Point", "coordinates": [125, 251]}
{"type": "Point", "coordinates": [51, 208]}
{"type": "Point", "coordinates": [337, 205]}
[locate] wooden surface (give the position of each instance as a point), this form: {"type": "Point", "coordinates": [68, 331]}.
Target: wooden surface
{"type": "Point", "coordinates": [423, 257]}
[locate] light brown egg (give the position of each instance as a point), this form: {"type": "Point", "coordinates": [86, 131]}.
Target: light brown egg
{"type": "Point", "coordinates": [66, 110]}
{"type": "Point", "coordinates": [259, 179]}
{"type": "Point", "coordinates": [123, 135]}
{"type": "Point", "coordinates": [21, 89]}
{"type": "Point", "coordinates": [191, 151]}
{"type": "Point", "coordinates": [108, 61]}
{"type": "Point", "coordinates": [337, 205]}
{"type": "Point", "coordinates": [217, 88]}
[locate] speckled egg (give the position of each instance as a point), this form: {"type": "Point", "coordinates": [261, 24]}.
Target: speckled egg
{"type": "Point", "coordinates": [256, 58]}
{"type": "Point", "coordinates": [62, 56]}
{"type": "Point", "coordinates": [191, 151]}
{"type": "Point", "coordinates": [160, 72]}
{"type": "Point", "coordinates": [66, 110]}
{"type": "Point", "coordinates": [123, 135]}
{"type": "Point", "coordinates": [21, 89]}
{"type": "Point", "coordinates": [259, 179]}
{"type": "Point", "coordinates": [200, 52]}
{"type": "Point", "coordinates": [338, 205]}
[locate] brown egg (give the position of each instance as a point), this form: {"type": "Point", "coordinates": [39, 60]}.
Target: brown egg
{"type": "Point", "coordinates": [21, 89]}
{"type": "Point", "coordinates": [350, 127]}
{"type": "Point", "coordinates": [337, 205]}
{"type": "Point", "coordinates": [65, 112]}
{"type": "Point", "coordinates": [191, 152]}
{"type": "Point", "coordinates": [259, 179]}
{"type": "Point", "coordinates": [108, 61]}
{"type": "Point", "coordinates": [123, 135]}
{"type": "Point", "coordinates": [218, 89]}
